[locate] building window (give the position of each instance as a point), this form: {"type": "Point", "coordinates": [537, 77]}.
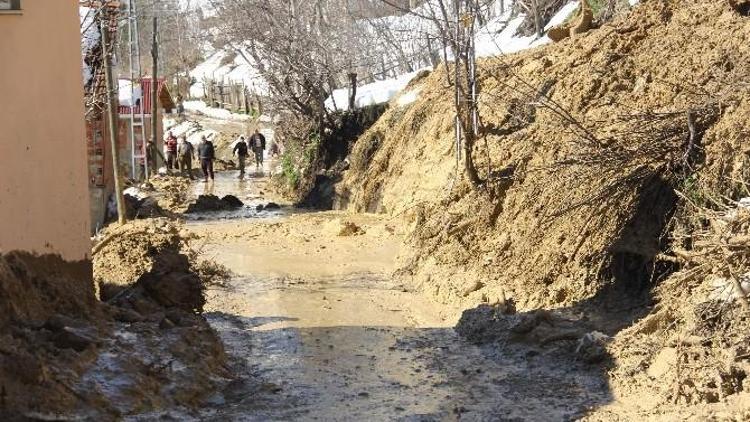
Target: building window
{"type": "Point", "coordinates": [10, 5]}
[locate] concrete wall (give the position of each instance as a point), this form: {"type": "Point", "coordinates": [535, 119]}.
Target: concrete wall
{"type": "Point", "coordinates": [44, 198]}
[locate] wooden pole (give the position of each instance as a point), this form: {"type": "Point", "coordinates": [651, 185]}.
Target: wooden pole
{"type": "Point", "coordinates": [154, 87]}
{"type": "Point", "coordinates": [112, 118]}
{"type": "Point", "coordinates": [352, 91]}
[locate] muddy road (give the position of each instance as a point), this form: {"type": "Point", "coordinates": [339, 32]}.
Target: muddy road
{"type": "Point", "coordinates": [317, 329]}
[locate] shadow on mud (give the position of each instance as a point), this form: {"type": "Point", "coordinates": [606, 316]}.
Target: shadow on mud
{"type": "Point", "coordinates": [395, 373]}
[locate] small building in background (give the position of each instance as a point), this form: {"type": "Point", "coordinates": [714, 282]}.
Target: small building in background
{"type": "Point", "coordinates": [134, 125]}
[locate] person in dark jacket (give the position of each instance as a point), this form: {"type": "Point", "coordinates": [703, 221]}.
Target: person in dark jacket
{"type": "Point", "coordinates": [258, 144]}
{"type": "Point", "coordinates": [185, 155]}
{"type": "Point", "coordinates": [207, 154]}
{"type": "Point", "coordinates": [240, 149]}
{"type": "Point", "coordinates": [152, 154]}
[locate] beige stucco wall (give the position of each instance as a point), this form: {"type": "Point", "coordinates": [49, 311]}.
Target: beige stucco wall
{"type": "Point", "coordinates": [44, 199]}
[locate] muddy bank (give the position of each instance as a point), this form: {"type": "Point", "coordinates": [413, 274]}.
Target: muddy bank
{"type": "Point", "coordinates": [71, 357]}
{"type": "Point", "coordinates": [591, 199]}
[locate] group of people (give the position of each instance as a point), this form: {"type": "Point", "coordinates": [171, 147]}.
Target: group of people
{"type": "Point", "coordinates": [256, 143]}
{"type": "Point", "coordinates": [181, 153]}
{"type": "Point", "coordinates": [180, 156]}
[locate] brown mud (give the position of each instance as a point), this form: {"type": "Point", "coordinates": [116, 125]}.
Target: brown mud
{"type": "Point", "coordinates": [589, 182]}
{"type": "Point", "coordinates": [66, 356]}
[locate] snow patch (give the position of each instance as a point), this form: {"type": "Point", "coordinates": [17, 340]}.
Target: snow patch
{"type": "Point", "coordinates": [499, 36]}
{"type": "Point", "coordinates": [240, 69]}
{"type": "Point", "coordinates": [409, 97]}
{"type": "Point", "coordinates": [90, 37]}
{"type": "Point", "coordinates": [216, 113]}
{"type": "Point", "coordinates": [378, 92]}
{"type": "Point", "coordinates": [127, 97]}
{"type": "Point", "coordinates": [192, 131]}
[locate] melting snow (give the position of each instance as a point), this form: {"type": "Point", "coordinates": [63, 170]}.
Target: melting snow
{"type": "Point", "coordinates": [409, 97]}
{"type": "Point", "coordinates": [217, 113]}
{"type": "Point", "coordinates": [375, 93]}
{"type": "Point", "coordinates": [89, 39]}
{"type": "Point", "coordinates": [498, 37]}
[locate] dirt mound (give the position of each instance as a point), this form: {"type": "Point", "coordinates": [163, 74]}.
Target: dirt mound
{"type": "Point", "coordinates": [65, 356]}
{"type": "Point", "coordinates": [572, 203]}
{"type": "Point", "coordinates": [206, 203]}
{"type": "Point", "coordinates": [172, 284]}
{"type": "Point", "coordinates": [172, 192]}
{"type": "Point", "coordinates": [343, 228]}
{"type": "Point", "coordinates": [589, 148]}
{"type": "Point", "coordinates": [34, 288]}
{"type": "Point", "coordinates": [124, 254]}
{"type": "Point", "coordinates": [232, 201]}
{"type": "Point", "coordinates": [693, 348]}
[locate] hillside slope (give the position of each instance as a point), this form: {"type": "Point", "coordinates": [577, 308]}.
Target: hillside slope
{"type": "Point", "coordinates": [595, 153]}
{"type": "Point", "coordinates": [580, 184]}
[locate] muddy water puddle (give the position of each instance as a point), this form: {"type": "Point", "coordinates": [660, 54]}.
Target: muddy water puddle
{"type": "Point", "coordinates": [251, 188]}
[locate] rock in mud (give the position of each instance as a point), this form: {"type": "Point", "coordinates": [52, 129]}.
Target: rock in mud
{"type": "Point", "coordinates": [540, 328]}
{"type": "Point", "coordinates": [127, 315]}
{"type": "Point", "coordinates": [592, 347]}
{"type": "Point", "coordinates": [272, 206]}
{"type": "Point", "coordinates": [349, 228]}
{"type": "Point", "coordinates": [232, 201]}
{"type": "Point", "coordinates": [206, 203]}
{"type": "Point", "coordinates": [148, 207]}
{"type": "Point", "coordinates": [69, 338]}
{"type": "Point", "coordinates": [483, 324]}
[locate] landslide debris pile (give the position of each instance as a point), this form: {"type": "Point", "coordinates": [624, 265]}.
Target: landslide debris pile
{"type": "Point", "coordinates": [172, 192]}
{"type": "Point", "coordinates": [586, 141]}
{"type": "Point", "coordinates": [148, 207]}
{"type": "Point", "coordinates": [66, 356]}
{"type": "Point", "coordinates": [124, 253]}
{"type": "Point", "coordinates": [594, 152]}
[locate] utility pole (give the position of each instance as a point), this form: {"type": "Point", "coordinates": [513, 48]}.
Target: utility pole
{"type": "Point", "coordinates": [154, 85]}
{"type": "Point", "coordinates": [112, 119]}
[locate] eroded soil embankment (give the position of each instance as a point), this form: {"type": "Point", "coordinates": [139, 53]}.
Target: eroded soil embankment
{"type": "Point", "coordinates": [65, 355]}
{"type": "Point", "coordinates": [594, 199]}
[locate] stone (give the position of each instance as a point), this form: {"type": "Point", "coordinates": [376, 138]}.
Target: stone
{"type": "Point", "coordinates": [232, 201]}
{"type": "Point", "coordinates": [69, 338]}
{"type": "Point", "coordinates": [664, 361]}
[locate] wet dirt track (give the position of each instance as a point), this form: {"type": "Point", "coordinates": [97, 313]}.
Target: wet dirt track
{"type": "Point", "coordinates": [318, 330]}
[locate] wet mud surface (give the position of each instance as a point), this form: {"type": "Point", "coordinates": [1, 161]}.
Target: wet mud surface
{"type": "Point", "coordinates": [317, 329]}
{"type": "Point", "coordinates": [251, 189]}
{"type": "Point", "coordinates": [361, 348]}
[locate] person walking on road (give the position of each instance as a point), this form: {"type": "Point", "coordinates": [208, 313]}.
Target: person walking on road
{"type": "Point", "coordinates": [185, 155]}
{"type": "Point", "coordinates": [258, 143]}
{"type": "Point", "coordinates": [207, 154]}
{"type": "Point", "coordinates": [171, 146]}
{"type": "Point", "coordinates": [241, 151]}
